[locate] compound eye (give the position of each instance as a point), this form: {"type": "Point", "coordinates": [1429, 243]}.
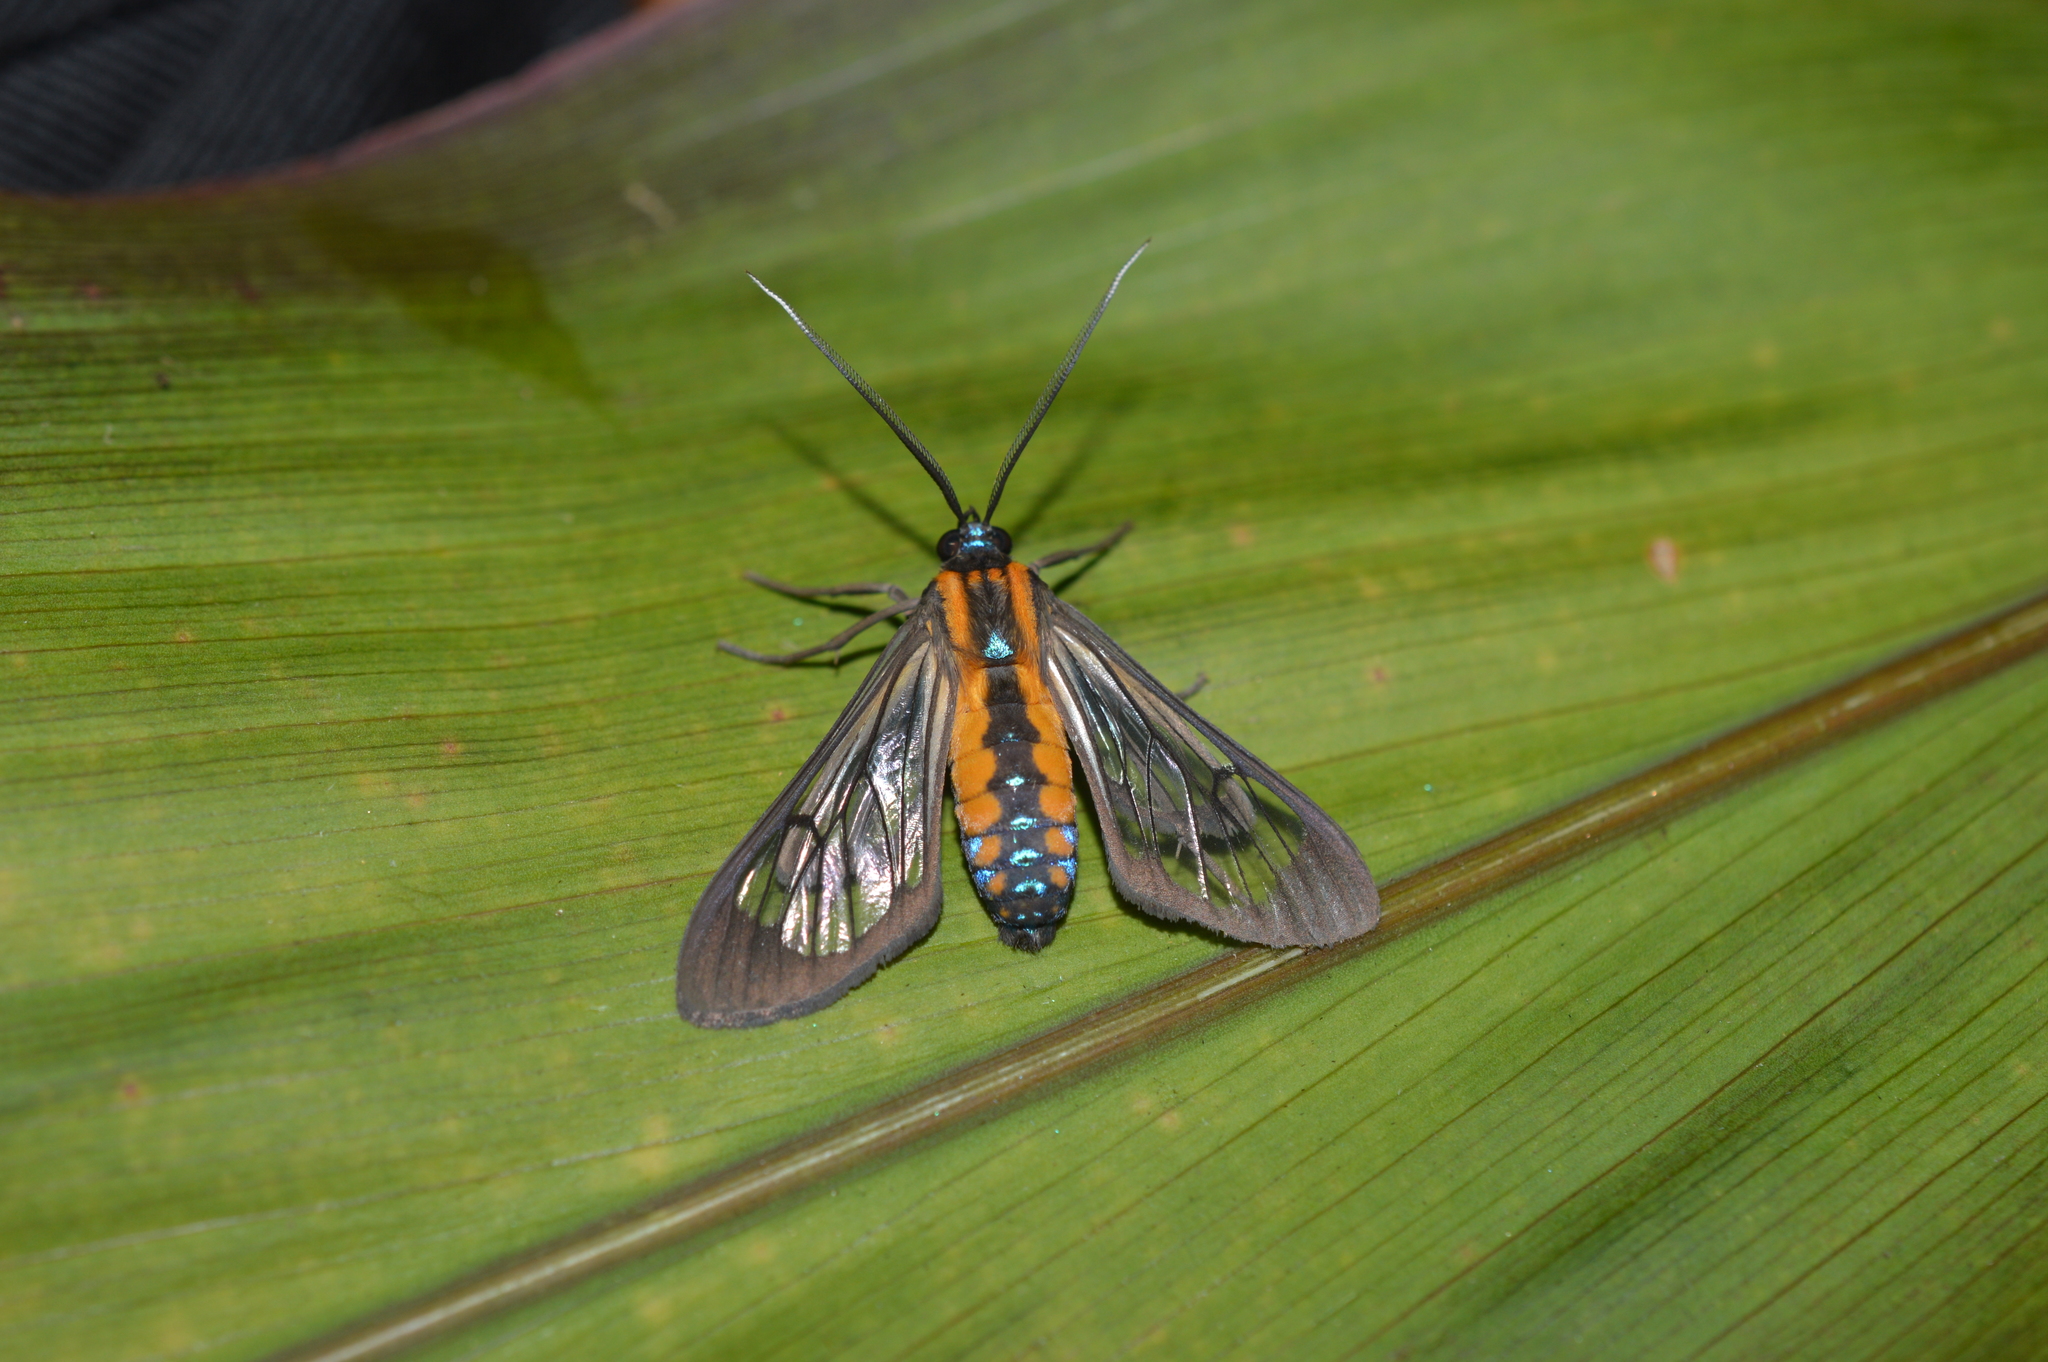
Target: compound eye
{"type": "Point", "coordinates": [1000, 538]}
{"type": "Point", "coordinates": [949, 545]}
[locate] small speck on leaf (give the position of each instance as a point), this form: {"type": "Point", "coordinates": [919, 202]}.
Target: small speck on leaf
{"type": "Point", "coordinates": [1663, 557]}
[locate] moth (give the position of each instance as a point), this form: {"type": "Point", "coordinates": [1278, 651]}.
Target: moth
{"type": "Point", "coordinates": [996, 682]}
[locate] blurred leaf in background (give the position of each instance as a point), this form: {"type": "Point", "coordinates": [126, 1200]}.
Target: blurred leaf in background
{"type": "Point", "coordinates": [1514, 394]}
{"type": "Point", "coordinates": [142, 94]}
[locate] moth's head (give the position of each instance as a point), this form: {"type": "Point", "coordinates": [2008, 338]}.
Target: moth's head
{"type": "Point", "coordinates": [976, 542]}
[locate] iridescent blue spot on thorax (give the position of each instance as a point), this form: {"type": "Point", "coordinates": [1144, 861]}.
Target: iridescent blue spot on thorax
{"type": "Point", "coordinates": [997, 647]}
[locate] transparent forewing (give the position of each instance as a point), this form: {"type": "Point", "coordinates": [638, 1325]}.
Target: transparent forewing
{"type": "Point", "coordinates": [1195, 826]}
{"type": "Point", "coordinates": [841, 873]}
{"type": "Point", "coordinates": [857, 830]}
{"type": "Point", "coordinates": [1177, 798]}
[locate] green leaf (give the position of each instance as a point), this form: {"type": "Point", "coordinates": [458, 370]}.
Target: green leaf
{"type": "Point", "coordinates": [1771, 1081]}
{"type": "Point", "coordinates": [1513, 395]}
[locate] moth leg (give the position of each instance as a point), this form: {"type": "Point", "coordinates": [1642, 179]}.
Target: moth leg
{"type": "Point", "coordinates": [1201, 680]}
{"type": "Point", "coordinates": [1068, 555]}
{"type": "Point", "coordinates": [889, 589]}
{"type": "Point", "coordinates": [831, 645]}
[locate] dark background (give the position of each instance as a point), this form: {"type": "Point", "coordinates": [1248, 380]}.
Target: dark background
{"type": "Point", "coordinates": [133, 94]}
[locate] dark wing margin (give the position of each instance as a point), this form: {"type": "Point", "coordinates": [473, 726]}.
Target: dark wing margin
{"type": "Point", "coordinates": [842, 873]}
{"type": "Point", "coordinates": [1196, 827]}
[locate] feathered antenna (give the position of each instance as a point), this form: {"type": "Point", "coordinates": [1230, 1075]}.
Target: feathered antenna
{"type": "Point", "coordinates": [915, 445]}
{"type": "Point", "coordinates": [882, 409]}
{"type": "Point", "coordinates": [1052, 389]}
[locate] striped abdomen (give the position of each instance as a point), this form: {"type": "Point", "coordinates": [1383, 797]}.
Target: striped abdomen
{"type": "Point", "coordinates": [1013, 784]}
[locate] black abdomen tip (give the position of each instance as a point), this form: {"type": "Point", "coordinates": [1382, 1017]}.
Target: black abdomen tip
{"type": "Point", "coordinates": [1032, 939]}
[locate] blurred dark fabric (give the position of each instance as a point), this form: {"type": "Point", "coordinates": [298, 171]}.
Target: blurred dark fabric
{"type": "Point", "coordinates": [129, 94]}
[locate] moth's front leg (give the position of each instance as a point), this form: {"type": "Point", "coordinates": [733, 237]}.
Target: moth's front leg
{"type": "Point", "coordinates": [900, 602]}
